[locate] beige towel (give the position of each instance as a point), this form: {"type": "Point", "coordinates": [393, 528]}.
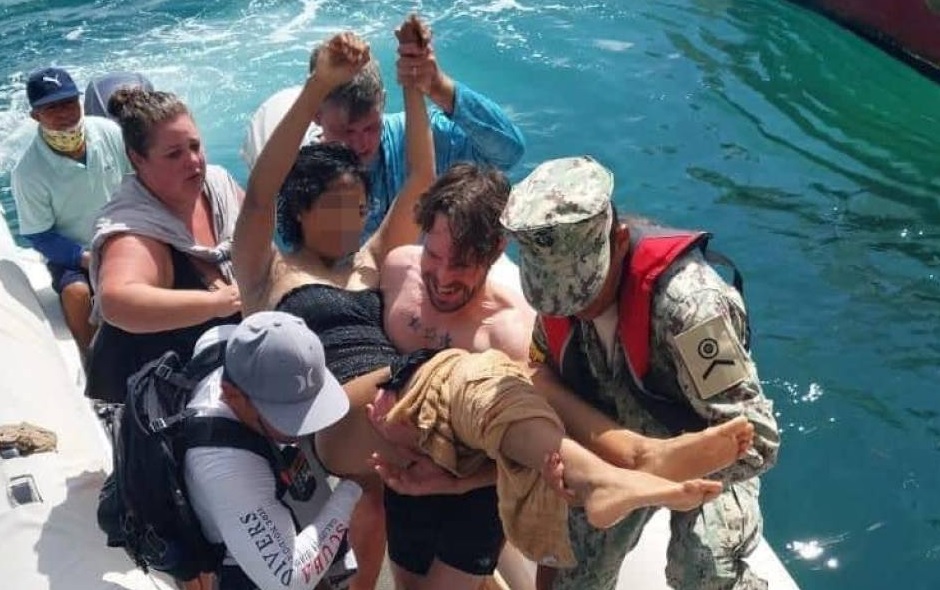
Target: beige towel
{"type": "Point", "coordinates": [462, 404]}
{"type": "Point", "coordinates": [27, 438]}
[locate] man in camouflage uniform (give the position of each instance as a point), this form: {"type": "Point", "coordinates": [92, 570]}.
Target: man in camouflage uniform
{"type": "Point", "coordinates": [573, 255]}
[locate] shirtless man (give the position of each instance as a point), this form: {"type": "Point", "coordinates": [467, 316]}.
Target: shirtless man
{"type": "Point", "coordinates": [435, 298]}
{"type": "Point", "coordinates": [443, 295]}
{"type": "Point", "coordinates": [437, 295]}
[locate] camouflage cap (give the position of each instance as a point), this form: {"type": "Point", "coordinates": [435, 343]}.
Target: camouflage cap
{"type": "Point", "coordinates": [561, 216]}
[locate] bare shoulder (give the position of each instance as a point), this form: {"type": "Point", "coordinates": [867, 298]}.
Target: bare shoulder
{"type": "Point", "coordinates": [127, 257]}
{"type": "Point", "coordinates": [512, 321]}
{"type": "Point", "coordinates": [402, 257]}
{"type": "Point", "coordinates": [399, 265]}
{"type": "Point", "coordinates": [132, 247]}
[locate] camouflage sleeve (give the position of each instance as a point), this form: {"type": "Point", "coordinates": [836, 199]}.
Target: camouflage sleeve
{"type": "Point", "coordinates": [699, 328]}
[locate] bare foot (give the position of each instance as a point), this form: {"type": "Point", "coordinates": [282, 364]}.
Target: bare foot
{"type": "Point", "coordinates": [698, 453]}
{"type": "Point", "coordinates": [610, 502]}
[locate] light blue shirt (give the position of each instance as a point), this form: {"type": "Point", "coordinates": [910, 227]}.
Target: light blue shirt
{"type": "Point", "coordinates": [477, 131]}
{"type": "Point", "coordinates": [53, 192]}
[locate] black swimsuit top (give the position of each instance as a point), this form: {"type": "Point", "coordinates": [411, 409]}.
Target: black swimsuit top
{"type": "Point", "coordinates": [349, 324]}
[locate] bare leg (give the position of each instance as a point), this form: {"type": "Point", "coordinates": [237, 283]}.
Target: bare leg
{"type": "Point", "coordinates": [204, 581]}
{"type": "Point", "coordinates": [698, 453]}
{"type": "Point", "coordinates": [515, 570]}
{"type": "Point", "coordinates": [345, 449]}
{"type": "Point", "coordinates": [405, 580]}
{"type": "Point", "coordinates": [607, 492]}
{"type": "Point", "coordinates": [367, 536]}
{"type": "Point", "coordinates": [440, 575]}
{"type": "Point", "coordinates": [76, 308]}
{"type": "Point", "coordinates": [492, 583]}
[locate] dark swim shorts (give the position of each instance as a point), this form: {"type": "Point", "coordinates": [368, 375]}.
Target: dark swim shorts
{"type": "Point", "coordinates": [462, 531]}
{"type": "Point", "coordinates": [63, 276]}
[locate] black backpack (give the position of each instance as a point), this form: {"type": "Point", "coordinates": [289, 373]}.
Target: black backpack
{"type": "Point", "coordinates": [143, 505]}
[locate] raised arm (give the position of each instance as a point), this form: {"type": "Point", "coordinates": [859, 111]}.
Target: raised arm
{"type": "Point", "coordinates": [253, 250]}
{"type": "Point", "coordinates": [475, 128]}
{"type": "Point", "coordinates": [399, 227]}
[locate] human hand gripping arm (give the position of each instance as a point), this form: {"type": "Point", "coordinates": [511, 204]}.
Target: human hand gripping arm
{"type": "Point", "coordinates": [404, 469]}
{"type": "Point", "coordinates": [418, 65]}
{"type": "Point", "coordinates": [399, 227]}
{"type": "Point", "coordinates": [475, 128]}
{"type": "Point", "coordinates": [422, 477]}
{"type": "Point", "coordinates": [253, 250]}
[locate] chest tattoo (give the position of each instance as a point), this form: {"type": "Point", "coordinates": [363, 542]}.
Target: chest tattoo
{"type": "Point", "coordinates": [430, 334]}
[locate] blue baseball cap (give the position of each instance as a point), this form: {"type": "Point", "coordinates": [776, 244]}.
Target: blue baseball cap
{"type": "Point", "coordinates": [50, 85]}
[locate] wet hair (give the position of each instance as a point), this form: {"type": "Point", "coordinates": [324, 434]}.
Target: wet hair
{"type": "Point", "coordinates": [471, 198]}
{"type": "Point", "coordinates": [138, 111]}
{"type": "Point", "coordinates": [317, 165]}
{"type": "Point", "coordinates": [361, 95]}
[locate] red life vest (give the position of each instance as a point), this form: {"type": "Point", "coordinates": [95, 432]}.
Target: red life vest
{"type": "Point", "coordinates": [652, 250]}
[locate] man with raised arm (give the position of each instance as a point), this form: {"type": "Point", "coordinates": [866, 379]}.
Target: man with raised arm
{"type": "Point", "coordinates": [467, 126]}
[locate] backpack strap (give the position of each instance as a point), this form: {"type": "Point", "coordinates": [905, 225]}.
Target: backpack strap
{"type": "Point", "coordinates": [186, 379]}
{"type": "Point", "coordinates": [215, 431]}
{"type": "Point", "coordinates": [205, 361]}
{"type": "Point", "coordinates": [716, 258]}
{"type": "Point", "coordinates": [208, 431]}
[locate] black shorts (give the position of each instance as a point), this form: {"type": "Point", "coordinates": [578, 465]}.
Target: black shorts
{"type": "Point", "coordinates": [462, 531]}
{"type": "Point", "coordinates": [63, 276]}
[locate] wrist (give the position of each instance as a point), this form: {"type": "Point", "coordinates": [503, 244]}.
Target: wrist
{"type": "Point", "coordinates": [317, 87]}
{"type": "Point", "coordinates": [217, 307]}
{"type": "Point", "coordinates": [442, 93]}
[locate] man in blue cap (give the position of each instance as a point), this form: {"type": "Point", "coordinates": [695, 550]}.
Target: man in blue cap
{"type": "Point", "coordinates": [65, 175]}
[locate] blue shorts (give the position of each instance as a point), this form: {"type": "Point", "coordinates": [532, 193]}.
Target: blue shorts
{"type": "Point", "coordinates": [63, 276]}
{"type": "Point", "coordinates": [462, 531]}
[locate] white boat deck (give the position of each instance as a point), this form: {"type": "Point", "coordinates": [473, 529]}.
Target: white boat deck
{"type": "Point", "coordinates": [54, 542]}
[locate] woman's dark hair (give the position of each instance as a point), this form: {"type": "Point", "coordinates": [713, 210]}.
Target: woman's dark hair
{"type": "Point", "coordinates": [471, 198]}
{"type": "Point", "coordinates": [316, 167]}
{"type": "Point", "coordinates": [138, 111]}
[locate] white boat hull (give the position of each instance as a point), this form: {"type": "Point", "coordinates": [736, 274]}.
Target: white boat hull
{"type": "Point", "coordinates": [54, 542]}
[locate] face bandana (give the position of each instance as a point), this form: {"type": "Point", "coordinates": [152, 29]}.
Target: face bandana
{"type": "Point", "coordinates": [67, 141]}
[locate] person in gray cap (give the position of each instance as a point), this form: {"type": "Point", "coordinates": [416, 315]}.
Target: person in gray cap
{"type": "Point", "coordinates": [275, 382]}
{"type": "Point", "coordinates": [636, 322]}
{"type": "Point", "coordinates": [60, 182]}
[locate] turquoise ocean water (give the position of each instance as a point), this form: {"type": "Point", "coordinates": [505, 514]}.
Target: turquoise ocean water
{"type": "Point", "coordinates": [811, 155]}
